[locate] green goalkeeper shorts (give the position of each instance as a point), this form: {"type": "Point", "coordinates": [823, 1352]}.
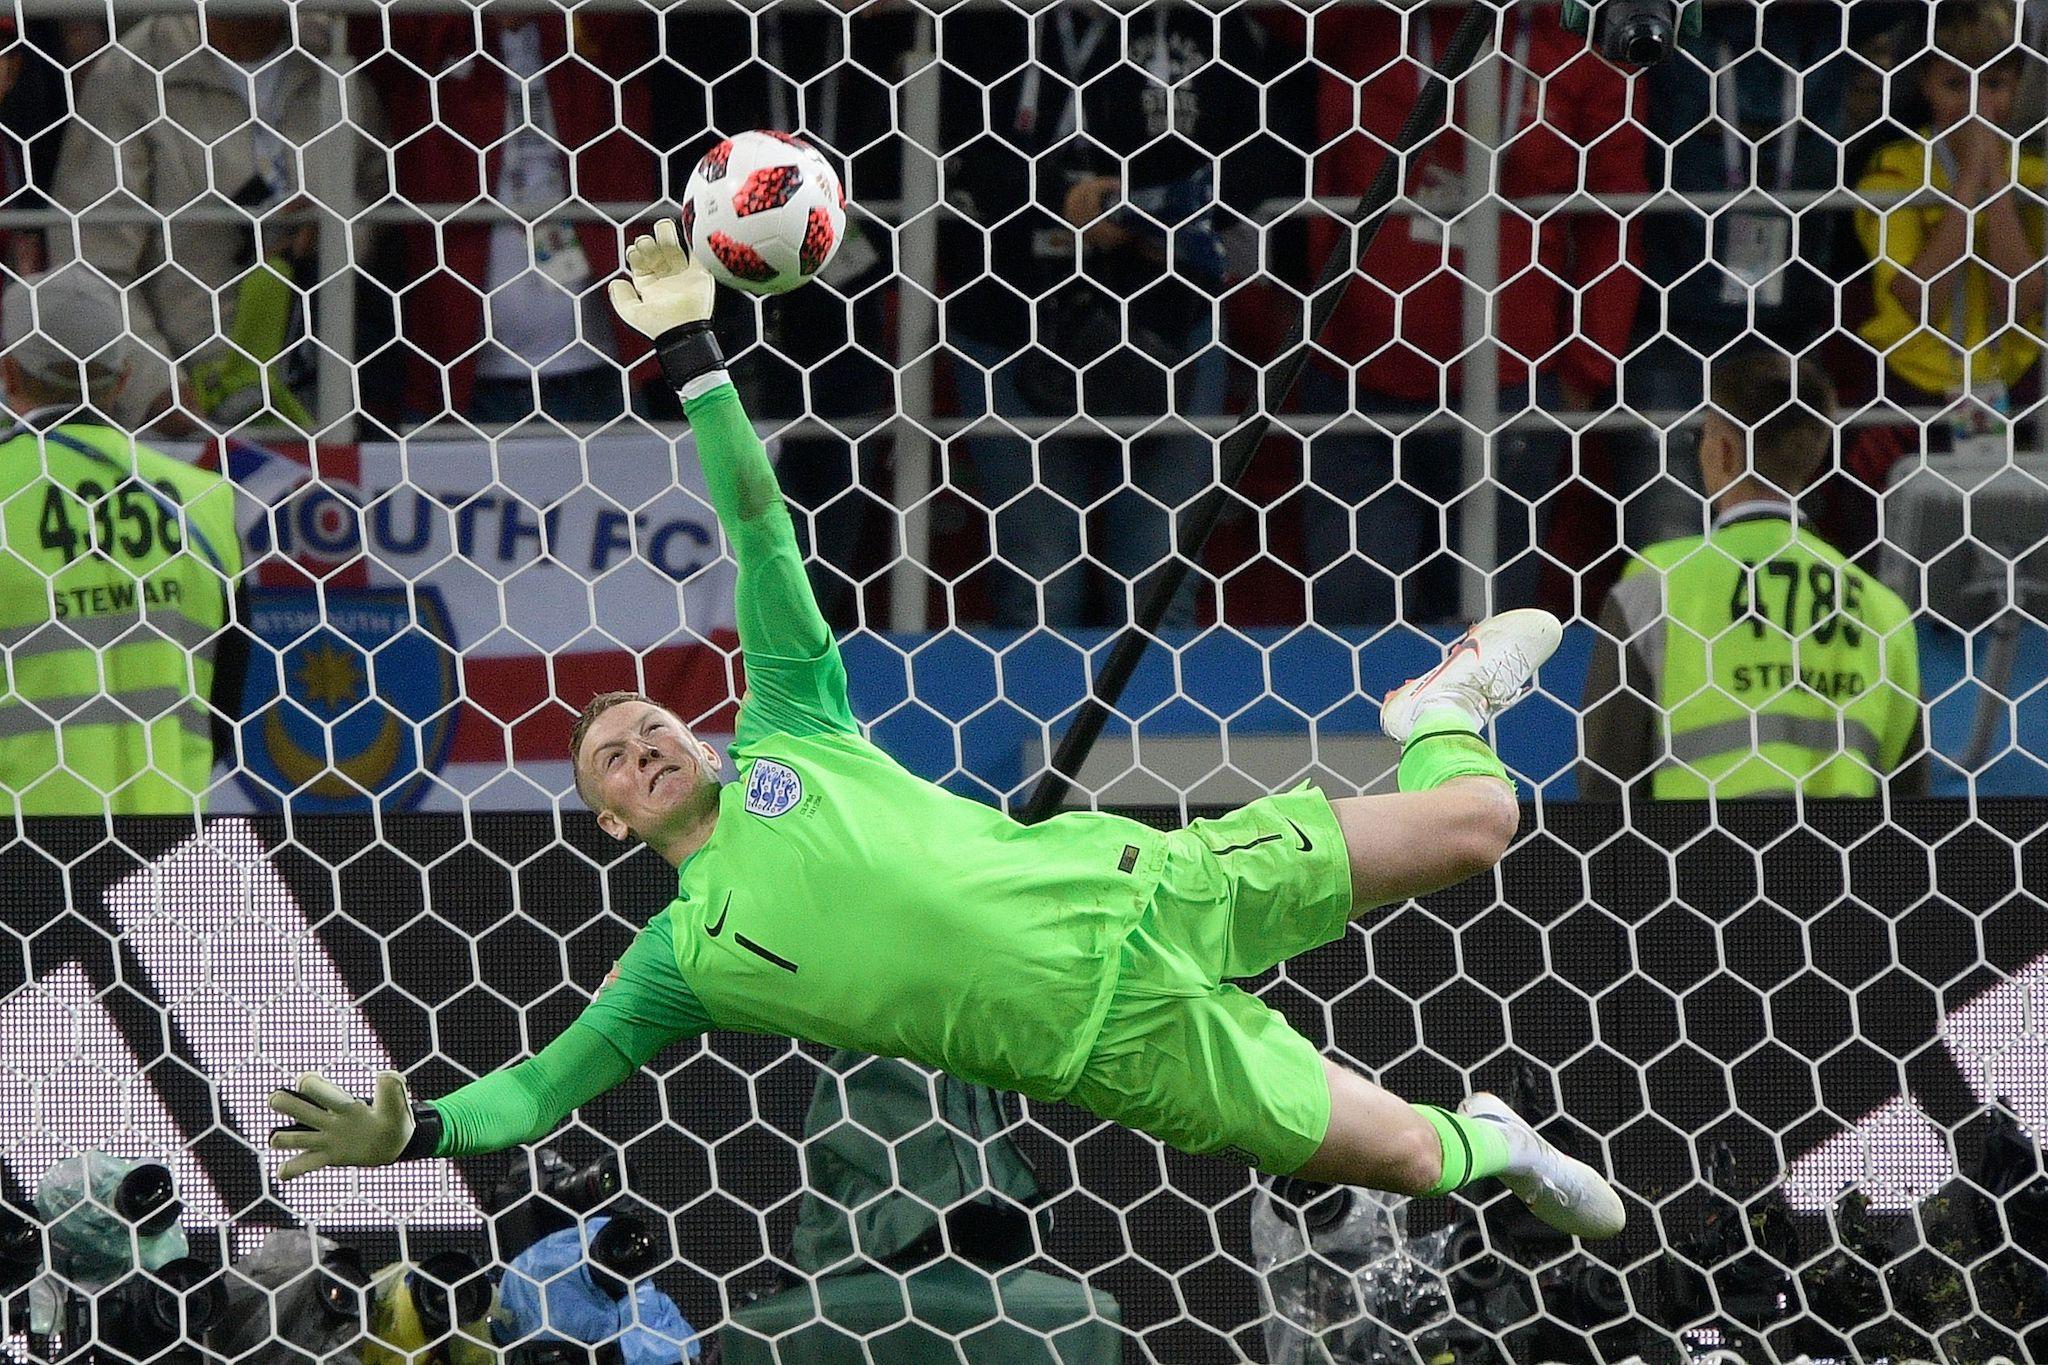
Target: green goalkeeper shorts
{"type": "Point", "coordinates": [1201, 1065]}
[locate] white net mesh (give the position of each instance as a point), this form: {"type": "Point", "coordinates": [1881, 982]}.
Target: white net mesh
{"type": "Point", "coordinates": [421, 497]}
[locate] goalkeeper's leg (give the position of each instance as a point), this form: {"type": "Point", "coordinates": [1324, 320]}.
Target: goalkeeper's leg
{"type": "Point", "coordinates": [1453, 818]}
{"type": "Point", "coordinates": [1455, 813]}
{"type": "Point", "coordinates": [1209, 1068]}
{"type": "Point", "coordinates": [1411, 843]}
{"type": "Point", "coordinates": [1379, 1140]}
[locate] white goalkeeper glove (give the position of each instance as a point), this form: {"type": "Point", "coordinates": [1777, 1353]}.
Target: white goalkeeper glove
{"type": "Point", "coordinates": [669, 299]}
{"type": "Point", "coordinates": [334, 1128]}
{"type": "Point", "coordinates": [667, 288]}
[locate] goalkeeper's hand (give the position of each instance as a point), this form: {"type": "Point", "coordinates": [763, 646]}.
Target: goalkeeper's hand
{"type": "Point", "coordinates": [334, 1128]}
{"type": "Point", "coordinates": [667, 288]}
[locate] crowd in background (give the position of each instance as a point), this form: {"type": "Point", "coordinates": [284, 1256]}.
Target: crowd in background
{"type": "Point", "coordinates": [1127, 224]}
{"type": "Point", "coordinates": [1124, 235]}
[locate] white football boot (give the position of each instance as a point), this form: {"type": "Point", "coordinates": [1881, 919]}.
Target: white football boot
{"type": "Point", "coordinates": [1561, 1190]}
{"type": "Point", "coordinates": [1485, 672]}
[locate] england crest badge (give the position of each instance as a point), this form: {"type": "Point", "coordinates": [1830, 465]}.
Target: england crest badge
{"type": "Point", "coordinates": [773, 789]}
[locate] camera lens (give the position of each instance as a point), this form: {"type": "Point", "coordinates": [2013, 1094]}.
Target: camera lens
{"type": "Point", "coordinates": [1639, 32]}
{"type": "Point", "coordinates": [623, 1251]}
{"type": "Point", "coordinates": [449, 1287]}
{"type": "Point", "coordinates": [1474, 1268]}
{"type": "Point", "coordinates": [199, 1287]}
{"type": "Point", "coordinates": [1590, 1295]}
{"type": "Point", "coordinates": [1322, 1206]}
{"type": "Point", "coordinates": [1646, 41]}
{"type": "Point", "coordinates": [20, 1243]}
{"type": "Point", "coordinates": [148, 1198]}
{"type": "Point", "coordinates": [342, 1284]}
{"type": "Point", "coordinates": [584, 1190]}
{"type": "Point", "coordinates": [141, 1315]}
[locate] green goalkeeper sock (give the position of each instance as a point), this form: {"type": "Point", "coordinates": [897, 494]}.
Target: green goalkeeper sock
{"type": "Point", "coordinates": [1446, 744]}
{"type": "Point", "coordinates": [1473, 1149]}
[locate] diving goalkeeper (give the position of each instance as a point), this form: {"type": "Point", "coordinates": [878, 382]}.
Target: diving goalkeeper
{"type": "Point", "coordinates": [830, 895]}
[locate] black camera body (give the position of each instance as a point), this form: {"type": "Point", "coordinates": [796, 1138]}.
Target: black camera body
{"type": "Point", "coordinates": [1637, 32]}
{"type": "Point", "coordinates": [531, 1202]}
{"type": "Point", "coordinates": [21, 1251]}
{"type": "Point", "coordinates": [155, 1317]}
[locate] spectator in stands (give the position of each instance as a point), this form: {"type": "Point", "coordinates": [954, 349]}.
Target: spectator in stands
{"type": "Point", "coordinates": [1750, 113]}
{"type": "Point", "coordinates": [1957, 240]}
{"type": "Point", "coordinates": [1084, 256]}
{"type": "Point", "coordinates": [1754, 660]}
{"type": "Point", "coordinates": [117, 636]}
{"type": "Point", "coordinates": [35, 106]}
{"type": "Point", "coordinates": [544, 114]}
{"type": "Point", "coordinates": [190, 114]}
{"type": "Point", "coordinates": [24, 117]}
{"type": "Point", "coordinates": [1882, 37]}
{"type": "Point", "coordinates": [1561, 315]}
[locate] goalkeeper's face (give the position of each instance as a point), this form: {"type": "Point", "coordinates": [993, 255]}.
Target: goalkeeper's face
{"type": "Point", "coordinates": [645, 774]}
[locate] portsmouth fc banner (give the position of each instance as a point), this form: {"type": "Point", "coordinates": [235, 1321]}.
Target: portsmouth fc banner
{"type": "Point", "coordinates": [428, 616]}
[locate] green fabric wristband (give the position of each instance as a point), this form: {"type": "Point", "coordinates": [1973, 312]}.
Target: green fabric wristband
{"type": "Point", "coordinates": [1440, 750]}
{"type": "Point", "coordinates": [1473, 1149]}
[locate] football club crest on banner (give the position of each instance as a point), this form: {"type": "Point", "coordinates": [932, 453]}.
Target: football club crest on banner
{"type": "Point", "coordinates": [772, 789]}
{"type": "Point", "coordinates": [366, 710]}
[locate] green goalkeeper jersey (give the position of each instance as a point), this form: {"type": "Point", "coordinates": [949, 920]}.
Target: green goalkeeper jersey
{"type": "Point", "coordinates": [840, 898]}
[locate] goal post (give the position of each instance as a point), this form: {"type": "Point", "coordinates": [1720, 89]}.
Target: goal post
{"type": "Point", "coordinates": [406, 514]}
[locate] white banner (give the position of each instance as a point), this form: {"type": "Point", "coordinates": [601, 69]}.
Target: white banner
{"type": "Point", "coordinates": [480, 592]}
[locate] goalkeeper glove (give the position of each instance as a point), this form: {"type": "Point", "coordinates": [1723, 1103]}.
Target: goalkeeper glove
{"type": "Point", "coordinates": [334, 1128]}
{"type": "Point", "coordinates": [669, 299]}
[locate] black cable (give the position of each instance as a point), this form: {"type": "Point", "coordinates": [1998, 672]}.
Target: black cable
{"type": "Point", "coordinates": [1425, 120]}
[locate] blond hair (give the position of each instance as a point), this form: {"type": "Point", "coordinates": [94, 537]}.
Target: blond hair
{"type": "Point", "coordinates": [1976, 34]}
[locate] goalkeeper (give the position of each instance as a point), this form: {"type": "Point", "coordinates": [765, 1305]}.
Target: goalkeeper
{"type": "Point", "coordinates": [830, 895]}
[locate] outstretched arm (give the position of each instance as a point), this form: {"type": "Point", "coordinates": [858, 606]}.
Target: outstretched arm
{"type": "Point", "coordinates": [778, 614]}
{"type": "Point", "coordinates": [796, 681]}
{"type": "Point", "coordinates": [643, 1007]}
{"type": "Point", "coordinates": [521, 1103]}
{"type": "Point", "coordinates": [525, 1102]}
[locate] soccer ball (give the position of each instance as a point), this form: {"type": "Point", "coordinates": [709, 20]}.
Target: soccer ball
{"type": "Point", "coordinates": [763, 212]}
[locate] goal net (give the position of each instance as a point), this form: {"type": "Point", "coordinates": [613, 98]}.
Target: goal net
{"type": "Point", "coordinates": [420, 497]}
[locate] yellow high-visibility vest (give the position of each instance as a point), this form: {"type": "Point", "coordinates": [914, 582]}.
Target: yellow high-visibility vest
{"type": "Point", "coordinates": [1778, 664]}
{"type": "Point", "coordinates": [117, 578]}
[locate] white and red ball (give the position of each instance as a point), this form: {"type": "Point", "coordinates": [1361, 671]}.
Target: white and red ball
{"type": "Point", "coordinates": [763, 212]}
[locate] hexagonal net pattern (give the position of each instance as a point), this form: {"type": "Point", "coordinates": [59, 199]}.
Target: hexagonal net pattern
{"type": "Point", "coordinates": [336, 490]}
